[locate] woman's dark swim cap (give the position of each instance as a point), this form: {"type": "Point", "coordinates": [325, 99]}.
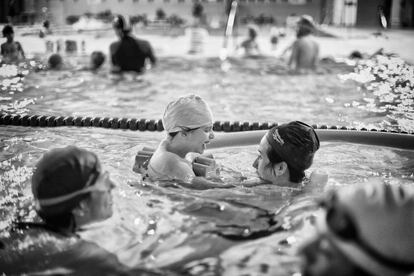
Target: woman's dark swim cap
{"type": "Point", "coordinates": [295, 143]}
{"type": "Point", "coordinates": [60, 172]}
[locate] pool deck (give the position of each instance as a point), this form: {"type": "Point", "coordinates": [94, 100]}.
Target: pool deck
{"type": "Point", "coordinates": [343, 42]}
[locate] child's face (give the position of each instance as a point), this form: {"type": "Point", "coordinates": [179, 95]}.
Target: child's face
{"type": "Point", "coordinates": [198, 139]}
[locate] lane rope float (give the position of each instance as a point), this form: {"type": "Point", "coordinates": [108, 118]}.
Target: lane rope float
{"type": "Point", "coordinates": [243, 133]}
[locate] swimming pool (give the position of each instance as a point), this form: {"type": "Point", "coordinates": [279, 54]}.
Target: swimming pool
{"type": "Point", "coordinates": [240, 231]}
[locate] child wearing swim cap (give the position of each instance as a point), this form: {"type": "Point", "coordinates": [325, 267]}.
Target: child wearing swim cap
{"type": "Point", "coordinates": [285, 152]}
{"type": "Point", "coordinates": [363, 230]}
{"type": "Point", "coordinates": [188, 123]}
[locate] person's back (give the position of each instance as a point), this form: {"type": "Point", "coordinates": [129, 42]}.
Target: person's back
{"type": "Point", "coordinates": [307, 52]}
{"type": "Point", "coordinates": [129, 53]}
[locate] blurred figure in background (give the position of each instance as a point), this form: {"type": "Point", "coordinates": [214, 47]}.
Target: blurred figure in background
{"type": "Point", "coordinates": [197, 33]}
{"type": "Point", "coordinates": [129, 53]}
{"type": "Point", "coordinates": [305, 50]}
{"type": "Point", "coordinates": [250, 46]}
{"type": "Point", "coordinates": [11, 51]}
{"type": "Point", "coordinates": [55, 62]}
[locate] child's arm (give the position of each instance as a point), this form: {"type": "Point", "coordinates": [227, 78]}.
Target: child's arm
{"type": "Point", "coordinates": [20, 49]}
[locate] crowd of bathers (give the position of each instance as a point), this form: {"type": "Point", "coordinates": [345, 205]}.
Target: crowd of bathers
{"type": "Point", "coordinates": [131, 54]}
{"type": "Point", "coordinates": [361, 230]}
{"type": "Point", "coordinates": [127, 54]}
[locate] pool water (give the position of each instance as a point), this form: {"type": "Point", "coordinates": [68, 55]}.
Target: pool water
{"type": "Point", "coordinates": [238, 231]}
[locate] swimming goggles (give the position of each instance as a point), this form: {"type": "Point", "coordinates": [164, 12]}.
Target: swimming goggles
{"type": "Point", "coordinates": [344, 227]}
{"type": "Point", "coordinates": [98, 186]}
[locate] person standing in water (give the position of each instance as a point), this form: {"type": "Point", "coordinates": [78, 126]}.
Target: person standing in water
{"type": "Point", "coordinates": [305, 50]}
{"type": "Point", "coordinates": [11, 51]}
{"type": "Point", "coordinates": [129, 53]}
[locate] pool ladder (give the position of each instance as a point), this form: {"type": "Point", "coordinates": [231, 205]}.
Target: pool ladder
{"type": "Point", "coordinates": [229, 30]}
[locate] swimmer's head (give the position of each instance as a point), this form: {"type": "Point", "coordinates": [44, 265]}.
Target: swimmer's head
{"type": "Point", "coordinates": [97, 59]}
{"type": "Point", "coordinates": [121, 24]}
{"type": "Point", "coordinates": [55, 62]}
{"type": "Point", "coordinates": [368, 228]}
{"type": "Point", "coordinates": [305, 25]}
{"type": "Point", "coordinates": [63, 178]}
{"type": "Point", "coordinates": [187, 112]}
{"type": "Point", "coordinates": [46, 24]}
{"type": "Point", "coordinates": [7, 30]}
{"type": "Point", "coordinates": [293, 144]}
{"type": "Point", "coordinates": [253, 31]}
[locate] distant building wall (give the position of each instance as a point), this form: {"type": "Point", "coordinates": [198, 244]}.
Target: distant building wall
{"type": "Point", "coordinates": [367, 13]}
{"type": "Point", "coordinates": [214, 10]}
{"type": "Point", "coordinates": [345, 12]}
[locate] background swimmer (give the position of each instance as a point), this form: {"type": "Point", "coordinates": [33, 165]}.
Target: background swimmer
{"type": "Point", "coordinates": [11, 51]}
{"type": "Point", "coordinates": [305, 50]}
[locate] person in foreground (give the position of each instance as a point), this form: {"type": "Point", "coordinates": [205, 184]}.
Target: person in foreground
{"type": "Point", "coordinates": [11, 51]}
{"type": "Point", "coordinates": [305, 50]}
{"type": "Point", "coordinates": [285, 152]}
{"type": "Point", "coordinates": [71, 191]}
{"type": "Point", "coordinates": [363, 231]}
{"type": "Point", "coordinates": [188, 122]}
{"type": "Point", "coordinates": [129, 53]}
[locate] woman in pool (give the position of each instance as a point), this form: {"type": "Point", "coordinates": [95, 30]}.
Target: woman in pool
{"type": "Point", "coordinates": [285, 152]}
{"type": "Point", "coordinates": [188, 122]}
{"type": "Point", "coordinates": [364, 230]}
{"type": "Point", "coordinates": [70, 191]}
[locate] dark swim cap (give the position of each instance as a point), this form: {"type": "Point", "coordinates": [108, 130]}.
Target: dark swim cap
{"type": "Point", "coordinates": [295, 143]}
{"type": "Point", "coordinates": [63, 171]}
{"type": "Point", "coordinates": [7, 30]}
{"type": "Point", "coordinates": [121, 23]}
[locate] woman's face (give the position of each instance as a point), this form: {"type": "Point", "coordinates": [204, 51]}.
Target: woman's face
{"type": "Point", "coordinates": [198, 139]}
{"type": "Point", "coordinates": [262, 162]}
{"type": "Point", "coordinates": [100, 201]}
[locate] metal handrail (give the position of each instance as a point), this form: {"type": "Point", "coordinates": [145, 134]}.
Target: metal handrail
{"type": "Point", "coordinates": [229, 29]}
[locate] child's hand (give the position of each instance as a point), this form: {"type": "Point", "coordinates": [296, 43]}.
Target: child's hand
{"type": "Point", "coordinates": [191, 156]}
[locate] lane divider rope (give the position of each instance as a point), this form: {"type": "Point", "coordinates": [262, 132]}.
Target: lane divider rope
{"type": "Point", "coordinates": [146, 124]}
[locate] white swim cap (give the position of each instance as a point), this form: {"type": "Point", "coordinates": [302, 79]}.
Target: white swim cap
{"type": "Point", "coordinates": [187, 112]}
{"type": "Point", "coordinates": [382, 217]}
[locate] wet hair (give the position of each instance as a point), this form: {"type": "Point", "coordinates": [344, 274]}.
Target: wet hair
{"type": "Point", "coordinates": [295, 143]}
{"type": "Point", "coordinates": [97, 58]}
{"type": "Point", "coordinates": [198, 10]}
{"type": "Point", "coordinates": [122, 24]}
{"type": "Point", "coordinates": [63, 171]}
{"type": "Point", "coordinates": [295, 175]}
{"type": "Point", "coordinates": [355, 55]}
{"type": "Point", "coordinates": [46, 24]}
{"type": "Point", "coordinates": [305, 27]}
{"type": "Point", "coordinates": [7, 30]}
{"type": "Point", "coordinates": [252, 32]}
{"type": "Point", "coordinates": [55, 61]}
